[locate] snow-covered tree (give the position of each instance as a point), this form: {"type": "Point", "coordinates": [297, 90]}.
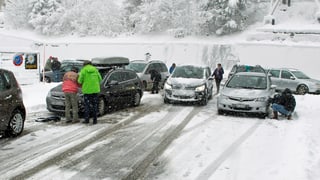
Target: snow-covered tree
{"type": "Point", "coordinates": [221, 16]}
{"type": "Point", "coordinates": [99, 17]}
{"type": "Point", "coordinates": [160, 15]}
{"type": "Point", "coordinates": [16, 13]}
{"type": "Point", "coordinates": [45, 16]}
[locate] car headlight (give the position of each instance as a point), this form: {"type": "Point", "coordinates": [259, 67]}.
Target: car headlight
{"type": "Point", "coordinates": [262, 99]}
{"type": "Point", "coordinates": [200, 88]}
{"type": "Point", "coordinates": [221, 96]}
{"type": "Point", "coordinates": [49, 94]}
{"type": "Point", "coordinates": [167, 86]}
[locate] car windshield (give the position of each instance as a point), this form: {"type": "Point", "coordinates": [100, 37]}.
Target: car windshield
{"type": "Point", "coordinates": [248, 68]}
{"type": "Point", "coordinates": [300, 75]}
{"type": "Point", "coordinates": [188, 72]}
{"type": "Point", "coordinates": [137, 67]}
{"type": "Point", "coordinates": [248, 82]}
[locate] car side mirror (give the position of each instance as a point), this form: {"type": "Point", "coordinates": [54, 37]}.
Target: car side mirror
{"type": "Point", "coordinates": [292, 78]}
{"type": "Point", "coordinates": [8, 86]}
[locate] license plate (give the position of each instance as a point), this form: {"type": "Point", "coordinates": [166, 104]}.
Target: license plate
{"type": "Point", "coordinates": [240, 106]}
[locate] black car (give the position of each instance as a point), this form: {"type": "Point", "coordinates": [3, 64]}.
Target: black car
{"type": "Point", "coordinates": [119, 88]}
{"type": "Point", "coordinates": [66, 66]}
{"type": "Point", "coordinates": [12, 110]}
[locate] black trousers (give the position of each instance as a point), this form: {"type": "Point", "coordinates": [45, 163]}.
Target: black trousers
{"type": "Point", "coordinates": [90, 107]}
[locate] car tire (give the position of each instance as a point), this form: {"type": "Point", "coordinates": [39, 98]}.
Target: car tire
{"type": "Point", "coordinates": [204, 101]}
{"type": "Point", "coordinates": [136, 99]}
{"type": "Point", "coordinates": [101, 106]}
{"type": "Point", "coordinates": [302, 89]}
{"type": "Point", "coordinates": [220, 111]}
{"type": "Point", "coordinates": [145, 85]}
{"type": "Point", "coordinates": [166, 100]}
{"type": "Point", "coordinates": [210, 94]}
{"type": "Point", "coordinates": [47, 79]}
{"type": "Point", "coordinates": [16, 123]}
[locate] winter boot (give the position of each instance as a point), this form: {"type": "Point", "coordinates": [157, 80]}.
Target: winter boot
{"type": "Point", "coordinates": [289, 117]}
{"type": "Point", "coordinates": [275, 115]}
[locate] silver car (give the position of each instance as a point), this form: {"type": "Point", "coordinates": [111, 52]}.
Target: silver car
{"type": "Point", "coordinates": [189, 83]}
{"type": "Point", "coordinates": [246, 92]}
{"type": "Point", "coordinates": [143, 69]}
{"type": "Point", "coordinates": [295, 80]}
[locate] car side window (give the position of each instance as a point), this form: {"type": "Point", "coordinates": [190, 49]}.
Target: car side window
{"type": "Point", "coordinates": [115, 76]}
{"type": "Point", "coordinates": [285, 74]}
{"type": "Point", "coordinates": [151, 67]}
{"type": "Point", "coordinates": [2, 83]}
{"type": "Point", "coordinates": [275, 73]}
{"type": "Point", "coordinates": [164, 68]}
{"type": "Point", "coordinates": [207, 73]}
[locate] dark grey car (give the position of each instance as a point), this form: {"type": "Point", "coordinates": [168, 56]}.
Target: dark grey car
{"type": "Point", "coordinates": [66, 66]}
{"type": "Point", "coordinates": [119, 88]}
{"type": "Point", "coordinates": [12, 110]}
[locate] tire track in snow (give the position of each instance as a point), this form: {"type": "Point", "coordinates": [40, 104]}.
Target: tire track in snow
{"type": "Point", "coordinates": [206, 173]}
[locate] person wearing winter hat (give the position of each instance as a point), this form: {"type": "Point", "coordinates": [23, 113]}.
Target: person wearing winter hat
{"type": "Point", "coordinates": [284, 103]}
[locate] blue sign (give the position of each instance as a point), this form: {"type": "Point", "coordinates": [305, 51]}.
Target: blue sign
{"type": "Point", "coordinates": [18, 60]}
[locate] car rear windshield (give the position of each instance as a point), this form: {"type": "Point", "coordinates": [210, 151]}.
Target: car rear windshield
{"type": "Point", "coordinates": [248, 82]}
{"type": "Point", "coordinates": [137, 67]}
{"type": "Point", "coordinates": [300, 75]}
{"type": "Point", "coordinates": [188, 72]}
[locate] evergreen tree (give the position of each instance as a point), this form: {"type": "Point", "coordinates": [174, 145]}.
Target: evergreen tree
{"type": "Point", "coordinates": [45, 16]}
{"type": "Point", "coordinates": [16, 13]}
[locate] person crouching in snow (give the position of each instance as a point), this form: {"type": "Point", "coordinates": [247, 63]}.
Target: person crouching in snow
{"type": "Point", "coordinates": [283, 103]}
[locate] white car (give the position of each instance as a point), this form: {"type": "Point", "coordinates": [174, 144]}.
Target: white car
{"type": "Point", "coordinates": [246, 92]}
{"type": "Point", "coordinates": [295, 80]}
{"type": "Point", "coordinates": [189, 83]}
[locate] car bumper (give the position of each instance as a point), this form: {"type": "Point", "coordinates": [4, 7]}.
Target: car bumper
{"type": "Point", "coordinates": [58, 105]}
{"type": "Point", "coordinates": [246, 107]}
{"type": "Point", "coordinates": [185, 96]}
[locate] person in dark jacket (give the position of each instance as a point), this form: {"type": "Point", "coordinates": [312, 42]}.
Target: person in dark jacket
{"type": "Point", "coordinates": [90, 79]}
{"type": "Point", "coordinates": [55, 67]}
{"type": "Point", "coordinates": [156, 78]}
{"type": "Point", "coordinates": [284, 103]}
{"type": "Point", "coordinates": [218, 76]}
{"type": "Point", "coordinates": [70, 87]}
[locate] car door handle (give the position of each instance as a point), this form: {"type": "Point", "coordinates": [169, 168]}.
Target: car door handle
{"type": "Point", "coordinates": [8, 97]}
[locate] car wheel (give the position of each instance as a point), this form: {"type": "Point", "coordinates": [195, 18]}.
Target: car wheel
{"type": "Point", "coordinates": [220, 111]}
{"type": "Point", "coordinates": [210, 94]}
{"type": "Point", "coordinates": [16, 124]}
{"type": "Point", "coordinates": [302, 89]}
{"type": "Point", "coordinates": [47, 79]}
{"type": "Point", "coordinates": [145, 85]}
{"type": "Point", "coordinates": [204, 101]}
{"type": "Point", "coordinates": [101, 106]}
{"type": "Point", "coordinates": [136, 99]}
{"type": "Point", "coordinates": [166, 100]}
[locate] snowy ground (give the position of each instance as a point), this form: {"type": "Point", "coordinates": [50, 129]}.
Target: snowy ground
{"type": "Point", "coordinates": [211, 146]}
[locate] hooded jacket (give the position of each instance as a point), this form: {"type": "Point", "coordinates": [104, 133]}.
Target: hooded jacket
{"type": "Point", "coordinates": [70, 83]}
{"type": "Point", "coordinates": [90, 79]}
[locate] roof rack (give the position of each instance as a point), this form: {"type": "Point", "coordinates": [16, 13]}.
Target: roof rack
{"type": "Point", "coordinates": [110, 61]}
